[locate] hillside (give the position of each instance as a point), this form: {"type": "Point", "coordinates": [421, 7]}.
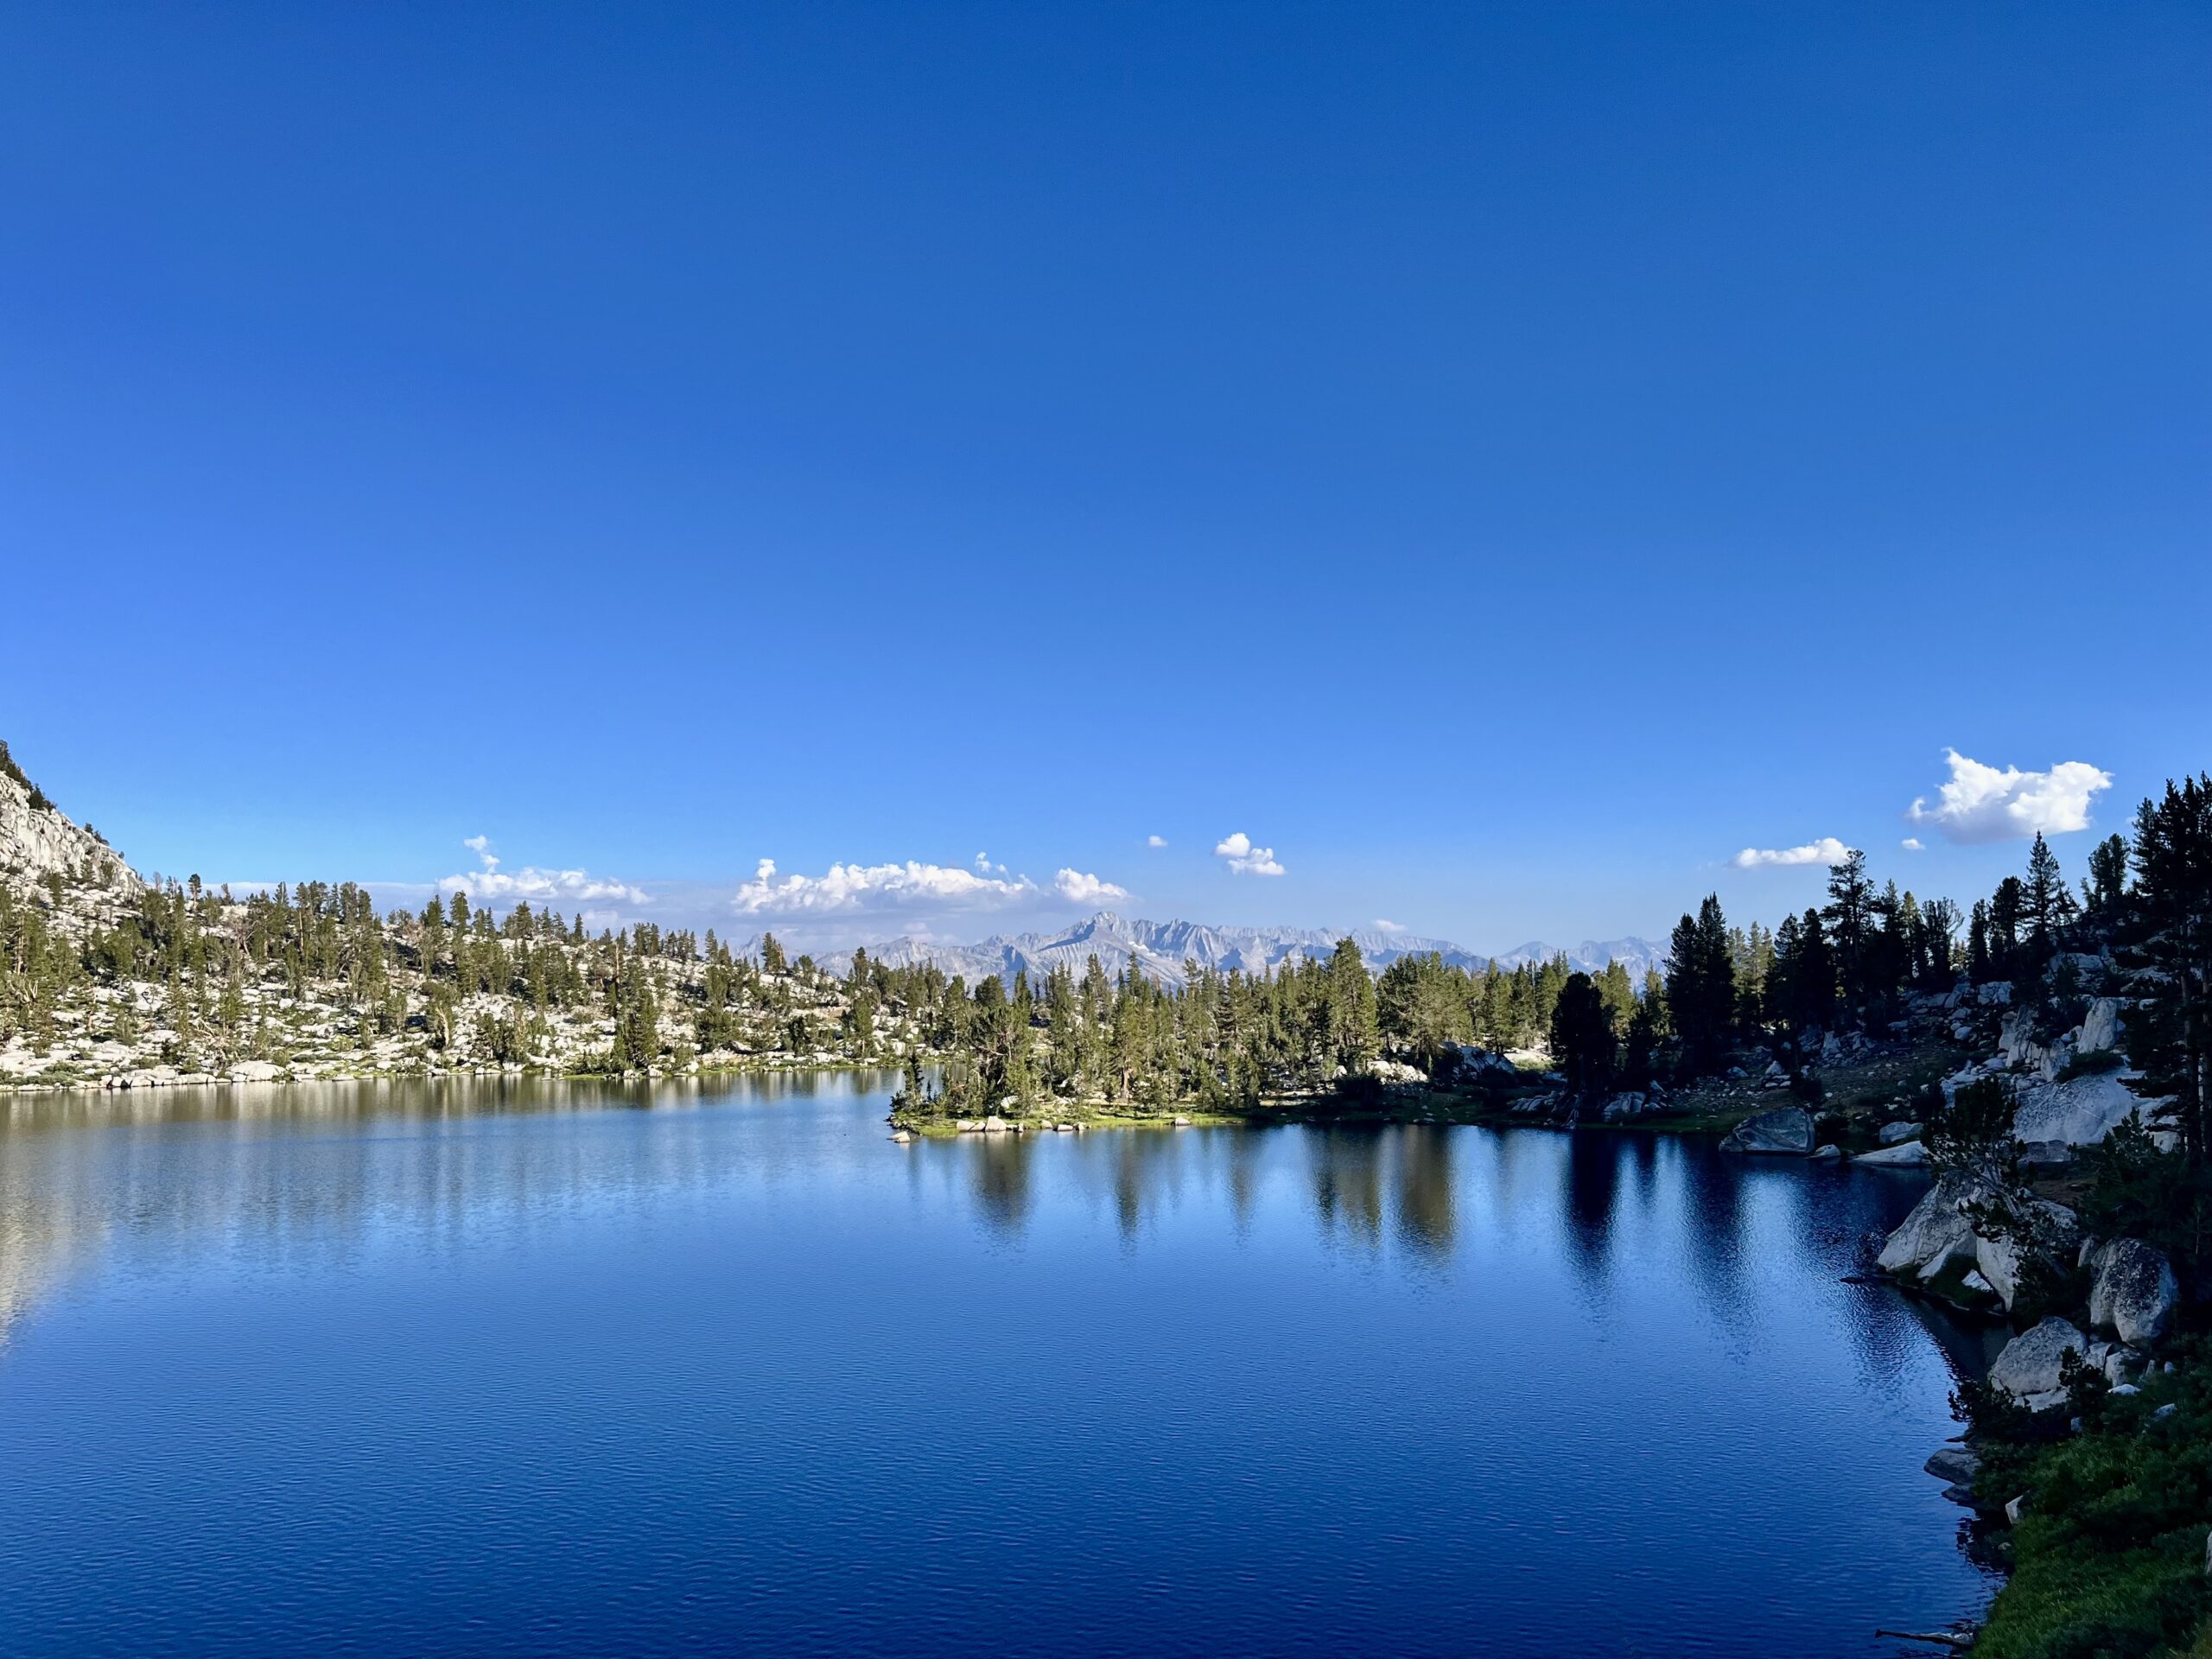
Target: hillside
{"type": "Point", "coordinates": [41, 847]}
{"type": "Point", "coordinates": [105, 980]}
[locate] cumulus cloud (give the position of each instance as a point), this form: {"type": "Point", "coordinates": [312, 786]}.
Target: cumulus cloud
{"type": "Point", "coordinates": [492, 884]}
{"type": "Point", "coordinates": [1383, 926]}
{"type": "Point", "coordinates": [880, 887]}
{"type": "Point", "coordinates": [1155, 840]}
{"type": "Point", "coordinates": [1078, 888]}
{"type": "Point", "coordinates": [1826, 850]}
{"type": "Point", "coordinates": [912, 887]}
{"type": "Point", "coordinates": [1912, 844]}
{"type": "Point", "coordinates": [1245, 859]}
{"type": "Point", "coordinates": [1982, 804]}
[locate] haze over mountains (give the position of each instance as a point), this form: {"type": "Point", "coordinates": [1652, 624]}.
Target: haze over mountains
{"type": "Point", "coordinates": [1160, 949]}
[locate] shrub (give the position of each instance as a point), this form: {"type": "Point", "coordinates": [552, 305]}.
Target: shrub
{"type": "Point", "coordinates": [2108, 1560]}
{"type": "Point", "coordinates": [2083, 1065]}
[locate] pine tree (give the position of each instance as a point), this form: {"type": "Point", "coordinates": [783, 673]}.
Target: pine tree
{"type": "Point", "coordinates": [1701, 988]}
{"type": "Point", "coordinates": [2171, 946]}
{"type": "Point", "coordinates": [1584, 1048]}
{"type": "Point", "coordinates": [2107, 878]}
{"type": "Point", "coordinates": [1350, 1028]}
{"type": "Point", "coordinates": [2007, 910]}
{"type": "Point", "coordinates": [2045, 900]}
{"type": "Point", "coordinates": [1849, 915]}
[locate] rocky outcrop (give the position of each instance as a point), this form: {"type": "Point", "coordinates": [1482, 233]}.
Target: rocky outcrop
{"type": "Point", "coordinates": [2119, 1364]}
{"type": "Point", "coordinates": [1907, 1155]}
{"type": "Point", "coordinates": [1627, 1108]}
{"type": "Point", "coordinates": [2100, 1028]}
{"type": "Point", "coordinates": [2132, 1291]}
{"type": "Point", "coordinates": [1469, 1064]}
{"type": "Point", "coordinates": [2056, 1235]}
{"type": "Point", "coordinates": [2029, 1368]}
{"type": "Point", "coordinates": [1956, 1466]}
{"type": "Point", "coordinates": [1936, 1233]}
{"type": "Point", "coordinates": [2017, 1044]}
{"type": "Point", "coordinates": [1787, 1130]}
{"type": "Point", "coordinates": [1892, 1134]}
{"type": "Point", "coordinates": [38, 841]}
{"type": "Point", "coordinates": [2080, 1111]}
{"type": "Point", "coordinates": [1396, 1071]}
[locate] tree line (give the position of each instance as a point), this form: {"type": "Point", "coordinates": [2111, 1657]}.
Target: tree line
{"type": "Point", "coordinates": [1229, 1040]}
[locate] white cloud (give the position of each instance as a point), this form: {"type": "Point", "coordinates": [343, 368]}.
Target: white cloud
{"type": "Point", "coordinates": [1245, 859]}
{"type": "Point", "coordinates": [878, 886]}
{"type": "Point", "coordinates": [1078, 889]}
{"type": "Point", "coordinates": [495, 885]}
{"type": "Point", "coordinates": [1982, 804]}
{"type": "Point", "coordinates": [1382, 926]}
{"type": "Point", "coordinates": [913, 888]}
{"type": "Point", "coordinates": [1155, 840]}
{"type": "Point", "coordinates": [1826, 850]}
{"type": "Point", "coordinates": [1912, 844]}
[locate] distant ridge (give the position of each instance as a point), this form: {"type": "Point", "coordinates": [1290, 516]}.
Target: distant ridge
{"type": "Point", "coordinates": [1160, 949]}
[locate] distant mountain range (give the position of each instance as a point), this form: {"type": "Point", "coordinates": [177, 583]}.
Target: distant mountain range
{"type": "Point", "coordinates": [1160, 949]}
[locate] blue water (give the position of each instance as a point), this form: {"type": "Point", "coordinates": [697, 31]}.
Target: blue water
{"type": "Point", "coordinates": [554, 1370]}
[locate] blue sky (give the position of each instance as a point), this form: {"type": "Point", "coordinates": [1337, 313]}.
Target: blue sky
{"type": "Point", "coordinates": [1502, 461]}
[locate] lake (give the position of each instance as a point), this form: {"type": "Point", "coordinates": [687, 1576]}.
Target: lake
{"type": "Point", "coordinates": [534, 1367]}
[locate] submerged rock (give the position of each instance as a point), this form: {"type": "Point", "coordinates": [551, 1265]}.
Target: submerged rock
{"type": "Point", "coordinates": [2132, 1291]}
{"type": "Point", "coordinates": [1787, 1130]}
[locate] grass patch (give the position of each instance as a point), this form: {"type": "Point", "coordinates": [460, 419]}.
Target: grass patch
{"type": "Point", "coordinates": [2108, 1560]}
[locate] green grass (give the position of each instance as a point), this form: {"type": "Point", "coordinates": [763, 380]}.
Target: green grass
{"type": "Point", "coordinates": [2127, 1605]}
{"type": "Point", "coordinates": [2108, 1562]}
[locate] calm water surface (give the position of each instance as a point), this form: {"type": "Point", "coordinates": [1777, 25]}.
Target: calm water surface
{"type": "Point", "coordinates": [552, 1370]}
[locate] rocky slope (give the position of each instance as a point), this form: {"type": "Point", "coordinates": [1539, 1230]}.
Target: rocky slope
{"type": "Point", "coordinates": [192, 1005]}
{"type": "Point", "coordinates": [42, 849]}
